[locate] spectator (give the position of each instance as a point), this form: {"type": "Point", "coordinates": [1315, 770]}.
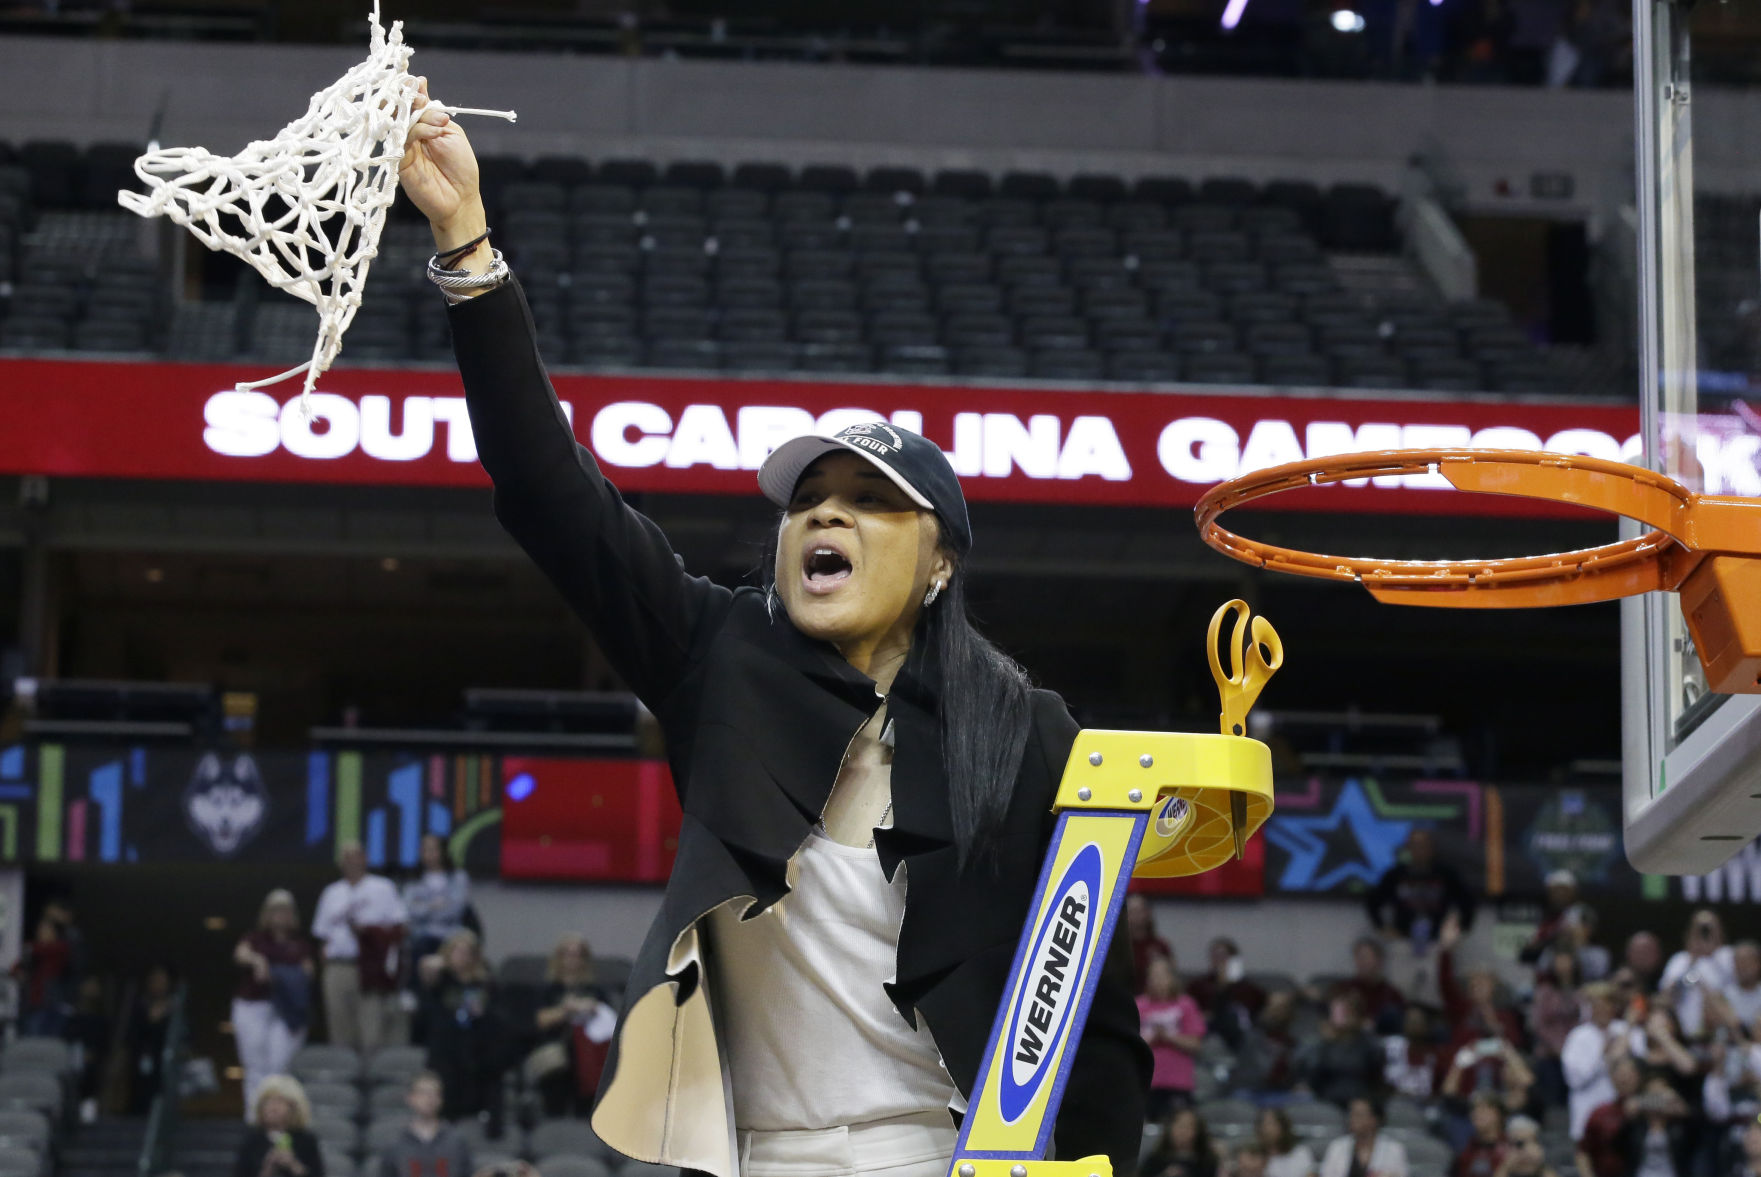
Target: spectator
{"type": "Point", "coordinates": [1562, 909]}
{"type": "Point", "coordinates": [1516, 1090]}
{"type": "Point", "coordinates": [1599, 1152]}
{"type": "Point", "coordinates": [1484, 1151]}
{"type": "Point", "coordinates": [1655, 1140]}
{"type": "Point", "coordinates": [1248, 1160]}
{"type": "Point", "coordinates": [89, 1030]}
{"type": "Point", "coordinates": [1285, 1155]}
{"type": "Point", "coordinates": [1492, 1068]}
{"type": "Point", "coordinates": [48, 974]}
{"type": "Point", "coordinates": [429, 1147]}
{"type": "Point", "coordinates": [1482, 1034]}
{"type": "Point", "coordinates": [438, 899]}
{"type": "Point", "coordinates": [1229, 1000]}
{"type": "Point", "coordinates": [1524, 1156]}
{"type": "Point", "coordinates": [360, 922]}
{"type": "Point", "coordinates": [281, 1144]}
{"type": "Point", "coordinates": [147, 1028]}
{"type": "Point", "coordinates": [1345, 1063]}
{"type": "Point", "coordinates": [465, 1032]}
{"type": "Point", "coordinates": [1185, 1149]}
{"type": "Point", "coordinates": [1414, 1057]}
{"type": "Point", "coordinates": [1731, 1095]}
{"type": "Point", "coordinates": [273, 1000]}
{"type": "Point", "coordinates": [1266, 1061]}
{"type": "Point", "coordinates": [1704, 965]}
{"type": "Point", "coordinates": [1140, 925]}
{"type": "Point", "coordinates": [1382, 1002]}
{"type": "Point", "coordinates": [1589, 1049]}
{"type": "Point", "coordinates": [1742, 996]}
{"type": "Point", "coordinates": [1364, 1151]}
{"type": "Point", "coordinates": [573, 1006]}
{"type": "Point", "coordinates": [1667, 1056]}
{"type": "Point", "coordinates": [1644, 956]}
{"type": "Point", "coordinates": [1749, 1163]}
{"type": "Point", "coordinates": [1553, 1011]}
{"type": "Point", "coordinates": [1412, 899]}
{"type": "Point", "coordinates": [1171, 1023]}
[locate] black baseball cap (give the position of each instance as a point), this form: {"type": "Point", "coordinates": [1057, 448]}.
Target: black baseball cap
{"type": "Point", "coordinates": [915, 464]}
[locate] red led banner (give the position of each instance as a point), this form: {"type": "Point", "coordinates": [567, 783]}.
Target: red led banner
{"type": "Point", "coordinates": [707, 435]}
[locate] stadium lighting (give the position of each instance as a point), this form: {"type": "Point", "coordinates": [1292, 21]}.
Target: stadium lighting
{"type": "Point", "coordinates": [1347, 21]}
{"type": "Point", "coordinates": [1232, 13]}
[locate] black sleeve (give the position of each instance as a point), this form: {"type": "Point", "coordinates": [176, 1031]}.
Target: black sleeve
{"type": "Point", "coordinates": [1458, 896]}
{"type": "Point", "coordinates": [1109, 1083]}
{"type": "Point", "coordinates": [1380, 897]}
{"type": "Point", "coordinates": [251, 1151]}
{"type": "Point", "coordinates": [611, 563]}
{"type": "Point", "coordinates": [307, 1152]}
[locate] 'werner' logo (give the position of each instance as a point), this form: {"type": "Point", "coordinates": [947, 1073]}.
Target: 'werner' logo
{"type": "Point", "coordinates": [1040, 1018]}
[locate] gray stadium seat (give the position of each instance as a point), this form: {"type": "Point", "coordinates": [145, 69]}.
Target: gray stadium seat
{"type": "Point", "coordinates": [552, 1138]}
{"type": "Point", "coordinates": [573, 1166]}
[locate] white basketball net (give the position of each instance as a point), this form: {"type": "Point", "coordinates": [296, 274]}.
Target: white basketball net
{"type": "Point", "coordinates": [306, 208]}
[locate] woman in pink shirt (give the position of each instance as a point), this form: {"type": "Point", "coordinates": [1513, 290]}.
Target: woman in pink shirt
{"type": "Point", "coordinates": [1175, 1029]}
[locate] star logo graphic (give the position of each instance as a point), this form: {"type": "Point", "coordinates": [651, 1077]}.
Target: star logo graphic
{"type": "Point", "coordinates": [1352, 841]}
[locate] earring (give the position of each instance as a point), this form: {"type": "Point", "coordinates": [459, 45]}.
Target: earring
{"type": "Point", "coordinates": [929, 598]}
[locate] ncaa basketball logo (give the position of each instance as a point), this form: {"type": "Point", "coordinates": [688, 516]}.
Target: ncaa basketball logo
{"type": "Point", "coordinates": [864, 435]}
{"type": "Point", "coordinates": [1173, 817]}
{"type": "Point", "coordinates": [1039, 1020]}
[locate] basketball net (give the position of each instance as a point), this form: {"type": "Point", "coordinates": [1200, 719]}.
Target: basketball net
{"type": "Point", "coordinates": [305, 209]}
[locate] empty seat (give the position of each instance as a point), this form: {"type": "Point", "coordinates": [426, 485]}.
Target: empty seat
{"type": "Point", "coordinates": [1162, 189]}
{"type": "Point", "coordinates": [895, 180]}
{"type": "Point", "coordinates": [1067, 364]}
{"type": "Point", "coordinates": [1103, 189]}
{"type": "Point", "coordinates": [1203, 218]}
{"type": "Point", "coordinates": [835, 357]}
{"type": "Point", "coordinates": [1277, 339]}
{"type": "Point", "coordinates": [915, 360]}
{"type": "Point", "coordinates": [1305, 278]}
{"type": "Point", "coordinates": [1170, 274]}
{"type": "Point", "coordinates": [32, 1090]}
{"type": "Point", "coordinates": [674, 323]}
{"type": "Point", "coordinates": [749, 292]}
{"type": "Point", "coordinates": [573, 1166]}
{"type": "Point", "coordinates": [940, 239]}
{"type": "Point", "coordinates": [1218, 245]}
{"type": "Point", "coordinates": [1137, 215]}
{"type": "Point", "coordinates": [823, 177]}
{"type": "Point", "coordinates": [823, 293]}
{"type": "Point", "coordinates": [962, 182]}
{"type": "Point", "coordinates": [1302, 371]}
{"type": "Point", "coordinates": [534, 196]}
{"type": "Point", "coordinates": [1345, 339]}
{"type": "Point", "coordinates": [748, 262]}
{"type": "Point", "coordinates": [821, 325]}
{"type": "Point", "coordinates": [753, 355]}
{"type": "Point", "coordinates": [669, 200]}
{"type": "Point", "coordinates": [959, 297]}
{"type": "Point", "coordinates": [761, 177]}
{"type": "Point", "coordinates": [736, 202]}
{"type": "Point", "coordinates": [817, 263]}
{"type": "Point", "coordinates": [399, 1064]}
{"type": "Point", "coordinates": [894, 328]}
{"type": "Point", "coordinates": [1029, 270]}
{"type": "Point", "coordinates": [1042, 300]}
{"type": "Point", "coordinates": [701, 174]}
{"type": "Point", "coordinates": [1059, 332]}
{"type": "Point", "coordinates": [957, 267]}
{"type": "Point", "coordinates": [1016, 239]}
{"type": "Point", "coordinates": [1219, 368]}
{"type": "Point", "coordinates": [753, 325]}
{"type": "Point", "coordinates": [1372, 371]}
{"type": "Point", "coordinates": [1447, 374]}
{"type": "Point", "coordinates": [1143, 366]}
{"type": "Point", "coordinates": [604, 198]}
{"type": "Point", "coordinates": [636, 173]}
{"type": "Point", "coordinates": [804, 206]}
{"type": "Point", "coordinates": [21, 1129]}
{"type": "Point", "coordinates": [998, 362]}
{"type": "Point", "coordinates": [1040, 186]}
{"type": "Point", "coordinates": [703, 355]}
{"type": "Point", "coordinates": [1198, 337]}
{"type": "Point", "coordinates": [1007, 212]}
{"type": "Point", "coordinates": [54, 166]}
{"type": "Point", "coordinates": [1104, 305]}
{"type": "Point", "coordinates": [1358, 217]}
{"type": "Point", "coordinates": [1075, 213]}
{"type": "Point", "coordinates": [1099, 273]}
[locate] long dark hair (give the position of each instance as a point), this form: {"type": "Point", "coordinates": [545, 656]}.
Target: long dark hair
{"type": "Point", "coordinates": [984, 710]}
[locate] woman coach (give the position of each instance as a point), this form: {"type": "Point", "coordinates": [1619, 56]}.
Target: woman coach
{"type": "Point", "coordinates": [866, 781]}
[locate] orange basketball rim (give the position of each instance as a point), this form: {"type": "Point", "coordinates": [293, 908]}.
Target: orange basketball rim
{"type": "Point", "coordinates": [1705, 547]}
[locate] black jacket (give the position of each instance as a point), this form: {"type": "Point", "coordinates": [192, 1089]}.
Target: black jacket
{"type": "Point", "coordinates": [757, 718]}
{"type": "Point", "coordinates": [255, 1148]}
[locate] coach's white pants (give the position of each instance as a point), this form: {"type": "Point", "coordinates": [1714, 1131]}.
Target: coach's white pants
{"type": "Point", "coordinates": [904, 1146]}
{"type": "Point", "coordinates": [265, 1045]}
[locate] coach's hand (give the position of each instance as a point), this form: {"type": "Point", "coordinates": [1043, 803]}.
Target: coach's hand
{"type": "Point", "coordinates": [439, 175]}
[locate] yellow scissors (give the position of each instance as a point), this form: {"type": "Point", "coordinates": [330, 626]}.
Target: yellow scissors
{"type": "Point", "coordinates": [1264, 654]}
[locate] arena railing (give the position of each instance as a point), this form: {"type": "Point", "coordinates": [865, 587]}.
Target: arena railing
{"type": "Point", "coordinates": [163, 1119]}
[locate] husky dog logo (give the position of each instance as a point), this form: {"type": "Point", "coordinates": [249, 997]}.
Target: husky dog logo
{"type": "Point", "coordinates": [1174, 816]}
{"type": "Point", "coordinates": [868, 430]}
{"type": "Point", "coordinates": [226, 802]}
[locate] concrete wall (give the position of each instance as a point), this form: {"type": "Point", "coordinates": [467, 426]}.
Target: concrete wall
{"type": "Point", "coordinates": [222, 96]}
{"type": "Point", "coordinates": [1301, 937]}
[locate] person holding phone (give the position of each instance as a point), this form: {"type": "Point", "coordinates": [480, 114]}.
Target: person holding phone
{"type": "Point", "coordinates": [281, 1144]}
{"type": "Point", "coordinates": [1704, 965]}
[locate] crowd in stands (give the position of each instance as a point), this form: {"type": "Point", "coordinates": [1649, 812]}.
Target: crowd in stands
{"type": "Point", "coordinates": [1425, 1061]}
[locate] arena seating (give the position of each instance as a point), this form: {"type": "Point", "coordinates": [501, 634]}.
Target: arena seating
{"type": "Point", "coordinates": [822, 270]}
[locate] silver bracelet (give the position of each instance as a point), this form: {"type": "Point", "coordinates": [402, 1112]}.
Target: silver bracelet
{"type": "Point", "coordinates": [458, 285]}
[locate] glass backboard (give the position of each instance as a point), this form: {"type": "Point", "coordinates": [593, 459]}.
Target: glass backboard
{"type": "Point", "coordinates": [1693, 759]}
